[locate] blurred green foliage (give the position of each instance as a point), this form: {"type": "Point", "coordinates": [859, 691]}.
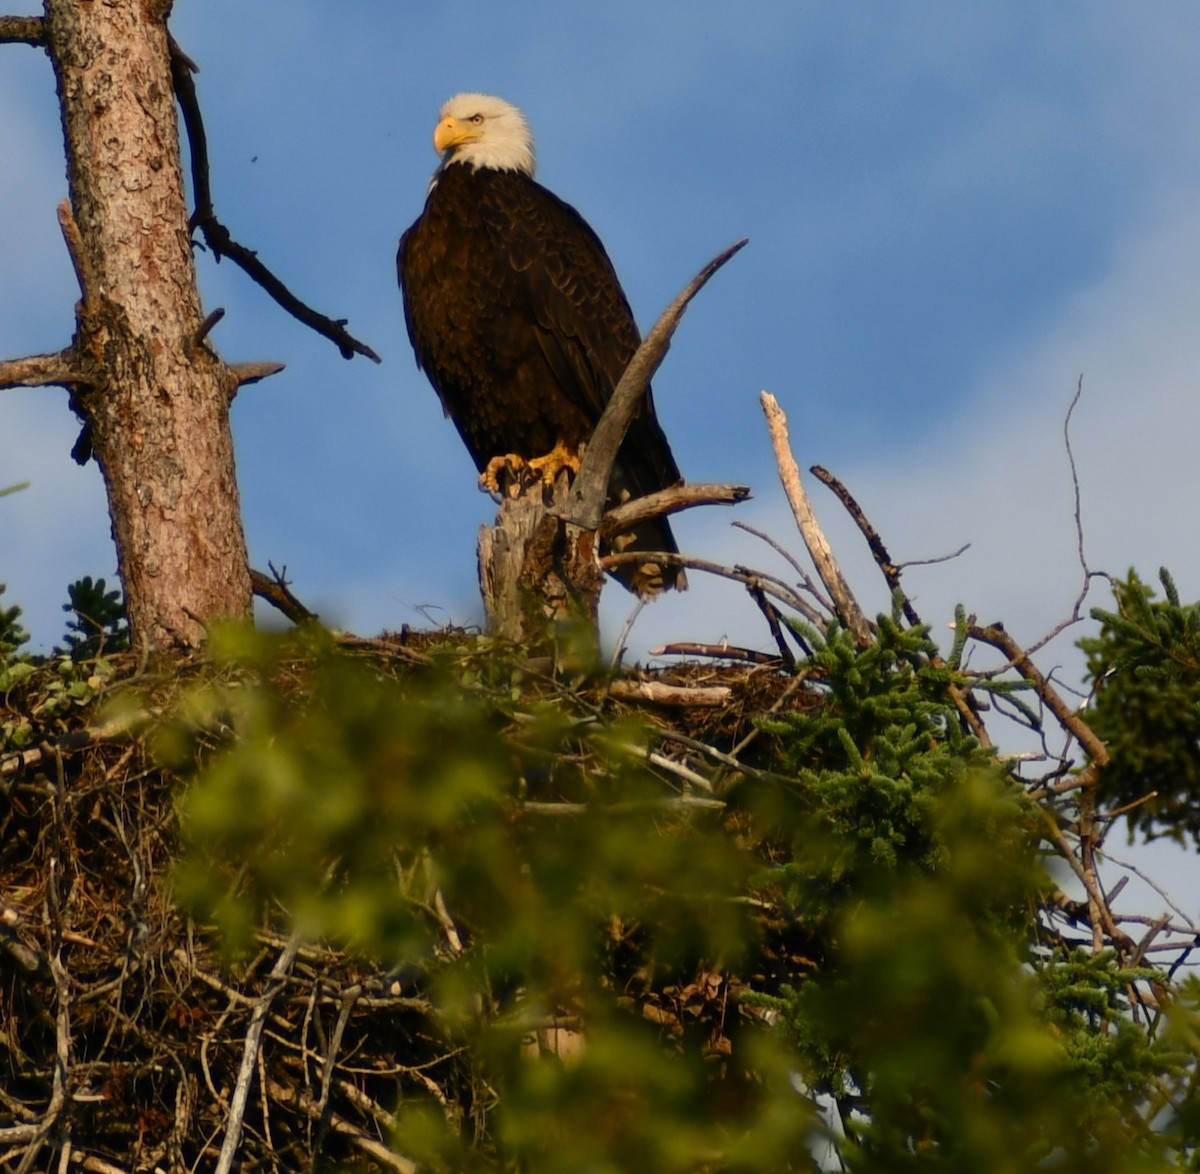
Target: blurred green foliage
{"type": "Point", "coordinates": [871, 901]}
{"type": "Point", "coordinates": [12, 634]}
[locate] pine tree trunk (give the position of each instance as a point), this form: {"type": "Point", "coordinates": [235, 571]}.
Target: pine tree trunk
{"type": "Point", "coordinates": [158, 404]}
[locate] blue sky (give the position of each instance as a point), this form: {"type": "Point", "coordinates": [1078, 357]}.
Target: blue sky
{"type": "Point", "coordinates": [955, 211]}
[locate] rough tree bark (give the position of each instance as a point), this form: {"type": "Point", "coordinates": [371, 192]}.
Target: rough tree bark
{"type": "Point", "coordinates": [153, 396]}
{"type": "Point", "coordinates": [155, 399]}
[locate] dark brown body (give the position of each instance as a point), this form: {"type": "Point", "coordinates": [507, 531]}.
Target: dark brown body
{"type": "Point", "coordinates": [516, 315]}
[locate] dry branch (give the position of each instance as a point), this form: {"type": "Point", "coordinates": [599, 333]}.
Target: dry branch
{"type": "Point", "coordinates": [668, 501]}
{"type": "Point", "coordinates": [846, 605]}
{"type": "Point", "coordinates": [22, 30]}
{"type": "Point", "coordinates": [57, 370]}
{"type": "Point", "coordinates": [717, 651]}
{"type": "Point", "coordinates": [660, 693]}
{"type": "Point", "coordinates": [218, 238]}
{"type": "Point", "coordinates": [997, 637]}
{"type": "Point", "coordinates": [276, 591]}
{"type": "Point", "coordinates": [258, 1019]}
{"type": "Point", "coordinates": [584, 506]}
{"type": "Point", "coordinates": [253, 372]}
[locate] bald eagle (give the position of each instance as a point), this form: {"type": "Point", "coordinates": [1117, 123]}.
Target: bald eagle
{"type": "Point", "coordinates": [517, 317]}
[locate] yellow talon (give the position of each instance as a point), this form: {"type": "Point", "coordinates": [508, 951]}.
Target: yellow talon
{"type": "Point", "coordinates": [510, 464]}
{"type": "Point", "coordinates": [560, 457]}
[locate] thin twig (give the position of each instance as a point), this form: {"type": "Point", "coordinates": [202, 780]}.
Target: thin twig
{"type": "Point", "coordinates": [805, 578]}
{"type": "Point", "coordinates": [771, 585]}
{"type": "Point", "coordinates": [349, 997]}
{"type": "Point", "coordinates": [584, 505]}
{"type": "Point", "coordinates": [847, 606]}
{"type": "Point", "coordinates": [258, 1019]}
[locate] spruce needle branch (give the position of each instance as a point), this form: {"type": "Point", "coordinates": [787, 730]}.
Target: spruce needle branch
{"type": "Point", "coordinates": [217, 237]}
{"type": "Point", "coordinates": [963, 701]}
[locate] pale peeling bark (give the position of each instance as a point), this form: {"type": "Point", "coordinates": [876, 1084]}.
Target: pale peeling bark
{"type": "Point", "coordinates": [157, 403]}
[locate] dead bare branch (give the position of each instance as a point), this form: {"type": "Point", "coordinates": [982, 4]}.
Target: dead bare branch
{"type": "Point", "coordinates": [997, 637]}
{"type": "Point", "coordinates": [258, 1019]}
{"type": "Point", "coordinates": [276, 591]}
{"type": "Point", "coordinates": [254, 372]}
{"type": "Point", "coordinates": [218, 238]}
{"type": "Point", "coordinates": [57, 370]}
{"type": "Point", "coordinates": [22, 30]}
{"type": "Point", "coordinates": [680, 696]}
{"type": "Point", "coordinates": [669, 501]}
{"type": "Point", "coordinates": [717, 651]}
{"type": "Point", "coordinates": [830, 573]}
{"type": "Point", "coordinates": [584, 505]}
{"type": "Point", "coordinates": [774, 587]}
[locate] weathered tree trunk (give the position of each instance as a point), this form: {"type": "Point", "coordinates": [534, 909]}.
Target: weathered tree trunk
{"type": "Point", "coordinates": [537, 573]}
{"type": "Point", "coordinates": [156, 400]}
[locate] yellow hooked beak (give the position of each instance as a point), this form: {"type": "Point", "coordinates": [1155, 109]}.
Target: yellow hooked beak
{"type": "Point", "coordinates": [452, 133]}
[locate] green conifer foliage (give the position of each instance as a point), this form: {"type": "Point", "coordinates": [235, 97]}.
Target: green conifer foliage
{"type": "Point", "coordinates": [1145, 665]}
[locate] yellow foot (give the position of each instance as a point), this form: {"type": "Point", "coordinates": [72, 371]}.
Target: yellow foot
{"type": "Point", "coordinates": [509, 466]}
{"type": "Point", "coordinates": [547, 468]}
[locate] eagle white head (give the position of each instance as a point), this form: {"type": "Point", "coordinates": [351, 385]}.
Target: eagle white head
{"type": "Point", "coordinates": [484, 132]}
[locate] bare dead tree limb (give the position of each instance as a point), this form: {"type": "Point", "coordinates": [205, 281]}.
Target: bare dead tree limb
{"type": "Point", "coordinates": [584, 505]}
{"type": "Point", "coordinates": [258, 1020]}
{"type": "Point", "coordinates": [883, 560]}
{"type": "Point", "coordinates": [350, 996]}
{"type": "Point", "coordinates": [276, 591]}
{"type": "Point", "coordinates": [963, 702]}
{"type": "Point", "coordinates": [22, 30]}
{"type": "Point", "coordinates": [997, 637]}
{"type": "Point", "coordinates": [246, 373]}
{"type": "Point", "coordinates": [830, 573]}
{"type": "Point", "coordinates": [73, 239]}
{"type": "Point", "coordinates": [303, 1101]}
{"type": "Point", "coordinates": [56, 370]}
{"type": "Point", "coordinates": [806, 580]}
{"type": "Point", "coordinates": [676, 696]}
{"type": "Point", "coordinates": [774, 587]}
{"type": "Point", "coordinates": [669, 501]}
{"type": "Point", "coordinates": [218, 238]}
{"type": "Point", "coordinates": [716, 651]}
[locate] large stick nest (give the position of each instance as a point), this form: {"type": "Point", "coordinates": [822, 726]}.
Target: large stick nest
{"type": "Point", "coordinates": [122, 1027]}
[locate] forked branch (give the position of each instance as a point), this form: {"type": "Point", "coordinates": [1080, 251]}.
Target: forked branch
{"type": "Point", "coordinates": [584, 505]}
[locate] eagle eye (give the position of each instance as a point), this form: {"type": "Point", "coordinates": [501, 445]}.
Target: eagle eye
{"type": "Point", "coordinates": [476, 119]}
